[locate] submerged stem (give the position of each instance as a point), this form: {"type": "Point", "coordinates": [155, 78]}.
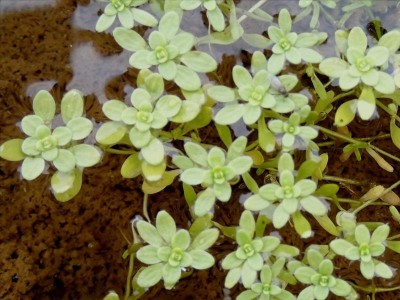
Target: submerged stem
{"type": "Point", "coordinates": [355, 141]}
{"type": "Point", "coordinates": [145, 212]}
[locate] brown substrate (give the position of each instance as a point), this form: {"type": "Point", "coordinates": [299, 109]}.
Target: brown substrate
{"type": "Point", "coordinates": [51, 250]}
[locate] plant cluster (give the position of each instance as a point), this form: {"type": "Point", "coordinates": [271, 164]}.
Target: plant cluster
{"type": "Point", "coordinates": [267, 97]}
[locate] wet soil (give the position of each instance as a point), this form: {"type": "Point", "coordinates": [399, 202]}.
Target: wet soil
{"type": "Point", "coordinates": [73, 250]}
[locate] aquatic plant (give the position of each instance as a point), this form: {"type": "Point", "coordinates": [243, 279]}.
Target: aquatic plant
{"type": "Point", "coordinates": [170, 250]}
{"type": "Point", "coordinates": [56, 145]}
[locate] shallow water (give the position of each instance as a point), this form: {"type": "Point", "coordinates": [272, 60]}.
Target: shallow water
{"type": "Point", "coordinates": [73, 250]}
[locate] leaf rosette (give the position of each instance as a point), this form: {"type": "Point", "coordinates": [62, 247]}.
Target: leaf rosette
{"type": "Point", "coordinates": [169, 50]}
{"type": "Point", "coordinates": [169, 251]}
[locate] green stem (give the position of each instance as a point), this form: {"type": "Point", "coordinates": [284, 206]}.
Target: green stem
{"type": "Point", "coordinates": [354, 141]}
{"type": "Point", "coordinates": [373, 289]}
{"type": "Point", "coordinates": [365, 139]}
{"type": "Point", "coordinates": [376, 197]}
{"type": "Point", "coordinates": [343, 95]}
{"type": "Point", "coordinates": [345, 180]}
{"type": "Point", "coordinates": [253, 8]}
{"type": "Point", "coordinates": [393, 237]}
{"type": "Point", "coordinates": [387, 110]}
{"type": "Point", "coordinates": [145, 203]}
{"type": "Point", "coordinates": [128, 279]}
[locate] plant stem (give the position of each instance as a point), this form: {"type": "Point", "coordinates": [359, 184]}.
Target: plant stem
{"type": "Point", "coordinates": [373, 289]}
{"type": "Point", "coordinates": [376, 197]}
{"type": "Point", "coordinates": [343, 95]}
{"type": "Point", "coordinates": [354, 141]}
{"type": "Point", "coordinates": [128, 279]}
{"type": "Point", "coordinates": [145, 212]}
{"type": "Point", "coordinates": [253, 8]}
{"type": "Point", "coordinates": [387, 110]}
{"type": "Point", "coordinates": [365, 139]}
{"type": "Point", "coordinates": [345, 180]}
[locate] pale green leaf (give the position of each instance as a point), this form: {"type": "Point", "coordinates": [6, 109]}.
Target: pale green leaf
{"type": "Point", "coordinates": [32, 167]}
{"type": "Point", "coordinates": [11, 150]}
{"type": "Point", "coordinates": [129, 39]}
{"type": "Point", "coordinates": [44, 106]}
{"type": "Point", "coordinates": [199, 61]}
{"type": "Point", "coordinates": [71, 105]}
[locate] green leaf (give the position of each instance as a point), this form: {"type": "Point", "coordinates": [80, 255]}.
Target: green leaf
{"type": "Point", "coordinates": [307, 169]}
{"type": "Point", "coordinates": [143, 17]}
{"type": "Point", "coordinates": [72, 191]}
{"type": "Point", "coordinates": [193, 176]}
{"type": "Point", "coordinates": [200, 224]}
{"type": "Point", "coordinates": [165, 180]}
{"type": "Point", "coordinates": [237, 148]}
{"type": "Point", "coordinates": [266, 138]}
{"type": "Point", "coordinates": [111, 295]}
{"type": "Point", "coordinates": [247, 222]}
{"type": "Point", "coordinates": [225, 134]}
{"type": "Point", "coordinates": [196, 153]}
{"type": "Point", "coordinates": [104, 22]}
{"type": "Point", "coordinates": [229, 114]}
{"type": "Point", "coordinates": [393, 245]}
{"type": "Point", "coordinates": [111, 133]}
{"type": "Point", "coordinates": [32, 167]}
{"type": "Point", "coordinates": [71, 105]}
{"type": "Point", "coordinates": [345, 113]}
{"type": "Point", "coordinates": [201, 120]}
{"type": "Point", "coordinates": [86, 155]}
{"type": "Point", "coordinates": [221, 93]}
{"type": "Point", "coordinates": [204, 202]}
{"type": "Point", "coordinates": [129, 39]}
{"type": "Point", "coordinates": [187, 79]}
{"type": "Point", "coordinates": [169, 105]}
{"type": "Point", "coordinates": [65, 161]}
{"type": "Point", "coordinates": [187, 112]}
{"type": "Point", "coordinates": [241, 164]}
{"type": "Point", "coordinates": [80, 127]}
{"type": "Point", "coordinates": [150, 276]}
{"type": "Point", "coordinates": [199, 61]}
{"type": "Point", "coordinates": [113, 109]}
{"type": "Point", "coordinates": [165, 225]}
{"type": "Point", "coordinates": [30, 123]}
{"type": "Point", "coordinates": [340, 246]}
{"type": "Point", "coordinates": [301, 225]}
{"type": "Point", "coordinates": [153, 174]}
{"type": "Point", "coordinates": [11, 150]}
{"type": "Point", "coordinates": [61, 182]}
{"type": "Point", "coordinates": [201, 259]}
{"type": "Point", "coordinates": [44, 106]}
{"type": "Point", "coordinates": [205, 239]}
{"type": "Point", "coordinates": [366, 103]}
{"type": "Point", "coordinates": [153, 153]}
{"type": "Point", "coordinates": [394, 133]}
{"type": "Point", "coordinates": [190, 195]}
{"type": "Point", "coordinates": [327, 224]}
{"type": "Point", "coordinates": [132, 166]}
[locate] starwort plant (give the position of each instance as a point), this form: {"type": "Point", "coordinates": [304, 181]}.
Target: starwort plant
{"type": "Point", "coordinates": [291, 196]}
{"type": "Point", "coordinates": [290, 134]}
{"type": "Point", "coordinates": [360, 67]}
{"type": "Point", "coordinates": [59, 146]}
{"type": "Point", "coordinates": [319, 276]}
{"type": "Point", "coordinates": [214, 170]}
{"type": "Point", "coordinates": [270, 287]}
{"type": "Point", "coordinates": [127, 13]}
{"type": "Point", "coordinates": [290, 46]}
{"type": "Point", "coordinates": [170, 251]}
{"type": "Point", "coordinates": [365, 247]}
{"type": "Point", "coordinates": [244, 263]}
{"type": "Point", "coordinates": [141, 122]}
{"type": "Point", "coordinates": [169, 50]}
